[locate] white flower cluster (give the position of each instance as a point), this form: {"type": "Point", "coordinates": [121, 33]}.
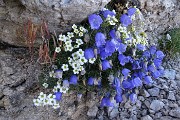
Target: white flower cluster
{"type": "Point", "coordinates": [60, 88]}
{"type": "Point", "coordinates": [44, 99]}
{"type": "Point", "coordinates": [79, 31]}
{"type": "Point", "coordinates": [77, 61]}
{"type": "Point", "coordinates": [112, 20]}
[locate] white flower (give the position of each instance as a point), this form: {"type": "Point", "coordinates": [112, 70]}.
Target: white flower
{"type": "Point", "coordinates": [112, 23]}
{"type": "Point", "coordinates": [52, 74]}
{"type": "Point", "coordinates": [75, 71]}
{"type": "Point", "coordinates": [69, 48]}
{"type": "Point", "coordinates": [58, 49]}
{"type": "Point", "coordinates": [65, 67]}
{"type": "Point", "coordinates": [92, 60]}
{"type": "Point", "coordinates": [42, 96]}
{"type": "Point", "coordinates": [70, 60]}
{"type": "Point", "coordinates": [74, 26]}
{"type": "Point", "coordinates": [82, 29]}
{"type": "Point", "coordinates": [62, 37]}
{"type": "Point", "coordinates": [56, 106]}
{"type": "Point", "coordinates": [75, 56]}
{"type": "Point", "coordinates": [75, 65]}
{"type": "Point", "coordinates": [45, 85]}
{"type": "Point", "coordinates": [70, 34]}
{"type": "Point", "coordinates": [68, 43]}
{"type": "Point", "coordinates": [80, 34]}
{"type": "Point", "coordinates": [64, 89]}
{"type": "Point", "coordinates": [80, 53]}
{"type": "Point", "coordinates": [37, 102]}
{"type": "Point", "coordinates": [79, 41]}
{"type": "Point", "coordinates": [76, 46]}
{"type": "Point", "coordinates": [76, 31]}
{"type": "Point", "coordinates": [83, 60]}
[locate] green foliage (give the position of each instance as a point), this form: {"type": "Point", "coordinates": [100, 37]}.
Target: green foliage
{"type": "Point", "coordinates": [171, 46]}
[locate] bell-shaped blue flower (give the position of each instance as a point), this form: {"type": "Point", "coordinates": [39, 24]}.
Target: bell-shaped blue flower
{"type": "Point", "coordinates": [125, 20]}
{"type": "Point", "coordinates": [157, 62]}
{"type": "Point", "coordinates": [125, 72]}
{"type": "Point", "coordinates": [95, 21]}
{"type": "Point", "coordinates": [58, 96]}
{"type": "Point", "coordinates": [122, 48]}
{"type": "Point", "coordinates": [126, 84]}
{"type": "Point", "coordinates": [118, 98]}
{"type": "Point", "coordinates": [151, 68]}
{"type": "Point", "coordinates": [90, 81]}
{"type": "Point", "coordinates": [148, 80]}
{"type": "Point", "coordinates": [65, 83]}
{"type": "Point", "coordinates": [73, 80]}
{"type": "Point", "coordinates": [146, 54]}
{"type": "Point", "coordinates": [156, 74]}
{"type": "Point", "coordinates": [131, 11]}
{"type": "Point", "coordinates": [89, 53]}
{"type": "Point", "coordinates": [105, 65]}
{"type": "Point", "coordinates": [152, 50]}
{"type": "Point", "coordinates": [116, 82]}
{"type": "Point", "coordinates": [108, 12]}
{"type": "Point", "coordinates": [123, 59]}
{"type": "Point", "coordinates": [112, 33]}
{"type": "Point", "coordinates": [141, 47]}
{"type": "Point", "coordinates": [110, 47]}
{"type": "Point", "coordinates": [106, 102]}
{"type": "Point", "coordinates": [159, 55]}
{"type": "Point", "coordinates": [133, 97]}
{"type": "Point", "coordinates": [100, 39]}
{"type": "Point", "coordinates": [136, 82]}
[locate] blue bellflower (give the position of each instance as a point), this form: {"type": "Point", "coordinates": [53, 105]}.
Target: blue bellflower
{"type": "Point", "coordinates": [90, 81]}
{"type": "Point", "coordinates": [89, 53]}
{"type": "Point", "coordinates": [95, 21]}
{"type": "Point", "coordinates": [141, 47]}
{"type": "Point", "coordinates": [122, 48]}
{"type": "Point", "coordinates": [106, 102]}
{"type": "Point", "coordinates": [108, 12]}
{"type": "Point", "coordinates": [125, 20]}
{"type": "Point", "coordinates": [110, 47]}
{"type": "Point", "coordinates": [148, 80]}
{"type": "Point", "coordinates": [123, 59]}
{"type": "Point", "coordinates": [118, 98]}
{"type": "Point", "coordinates": [73, 80]}
{"type": "Point", "coordinates": [112, 33]}
{"type": "Point", "coordinates": [100, 39]}
{"type": "Point", "coordinates": [58, 74]}
{"type": "Point", "coordinates": [106, 65]}
{"type": "Point", "coordinates": [125, 72]}
{"type": "Point", "coordinates": [159, 55]}
{"type": "Point", "coordinates": [58, 96]}
{"type": "Point", "coordinates": [136, 82]}
{"type": "Point", "coordinates": [126, 84]}
{"type": "Point", "coordinates": [131, 11]}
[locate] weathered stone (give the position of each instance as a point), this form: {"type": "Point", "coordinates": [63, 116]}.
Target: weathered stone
{"type": "Point", "coordinates": [92, 112]}
{"type": "Point", "coordinates": [59, 15]}
{"type": "Point", "coordinates": [114, 113]}
{"type": "Point", "coordinates": [154, 91]}
{"type": "Point", "coordinates": [171, 96]}
{"type": "Point", "coordinates": [156, 105]}
{"type": "Point", "coordinates": [169, 74]}
{"type": "Point", "coordinates": [175, 113]}
{"type": "Point", "coordinates": [147, 117]}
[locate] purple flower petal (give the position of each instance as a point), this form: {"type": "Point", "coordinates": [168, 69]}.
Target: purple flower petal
{"type": "Point", "coordinates": [125, 20]}
{"type": "Point", "coordinates": [123, 59]}
{"type": "Point", "coordinates": [125, 72]}
{"type": "Point", "coordinates": [58, 74]}
{"type": "Point", "coordinates": [100, 39]}
{"type": "Point", "coordinates": [108, 12]}
{"type": "Point", "coordinates": [136, 82]}
{"type": "Point", "coordinates": [112, 33]}
{"type": "Point", "coordinates": [95, 21]}
{"type": "Point", "coordinates": [65, 83]}
{"type": "Point", "coordinates": [90, 81]}
{"type": "Point", "coordinates": [58, 96]}
{"type": "Point", "coordinates": [141, 47]}
{"type": "Point", "coordinates": [131, 11]}
{"type": "Point", "coordinates": [118, 98]}
{"type": "Point", "coordinates": [122, 48]}
{"type": "Point", "coordinates": [106, 65]}
{"type": "Point", "coordinates": [73, 80]}
{"type": "Point", "coordinates": [89, 53]}
{"type": "Point", "coordinates": [160, 55]}
{"type": "Point", "coordinates": [106, 102]}
{"type": "Point", "coordinates": [148, 80]}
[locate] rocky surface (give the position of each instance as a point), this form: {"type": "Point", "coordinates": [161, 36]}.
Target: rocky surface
{"type": "Point", "coordinates": [160, 16]}
{"type": "Point", "coordinates": [59, 15]}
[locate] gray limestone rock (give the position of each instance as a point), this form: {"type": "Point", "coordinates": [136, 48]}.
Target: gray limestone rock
{"type": "Point", "coordinates": [156, 105]}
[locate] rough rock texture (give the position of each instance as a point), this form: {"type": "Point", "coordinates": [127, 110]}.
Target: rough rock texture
{"type": "Point", "coordinates": [59, 14]}
{"type": "Point", "coordinates": [160, 16]}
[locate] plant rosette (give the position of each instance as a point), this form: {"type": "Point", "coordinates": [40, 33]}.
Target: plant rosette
{"type": "Point", "coordinates": [110, 56]}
